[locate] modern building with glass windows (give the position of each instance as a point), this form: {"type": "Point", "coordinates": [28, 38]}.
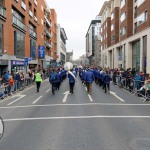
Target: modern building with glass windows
{"type": "Point", "coordinates": [61, 45]}
{"type": "Point", "coordinates": [93, 30]}
{"type": "Point", "coordinates": [132, 48]}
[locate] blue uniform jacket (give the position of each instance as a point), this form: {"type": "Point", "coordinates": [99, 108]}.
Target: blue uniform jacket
{"type": "Point", "coordinates": [89, 76]}
{"type": "Point", "coordinates": [107, 79]}
{"type": "Point", "coordinates": [71, 78]}
{"type": "Point", "coordinates": [58, 77]}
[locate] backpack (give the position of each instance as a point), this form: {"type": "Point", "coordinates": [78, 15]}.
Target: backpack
{"type": "Point", "coordinates": [52, 76]}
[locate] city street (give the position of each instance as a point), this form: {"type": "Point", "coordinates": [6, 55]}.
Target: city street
{"type": "Point", "coordinates": [42, 121]}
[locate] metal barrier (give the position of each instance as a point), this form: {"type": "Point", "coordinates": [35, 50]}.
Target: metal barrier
{"type": "Point", "coordinates": [6, 90]}
{"type": "Point", "coordinates": [134, 86]}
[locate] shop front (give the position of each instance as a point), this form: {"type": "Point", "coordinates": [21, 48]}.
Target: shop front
{"type": "Point", "coordinates": [3, 66]}
{"type": "Point", "coordinates": [46, 63]}
{"type": "Point", "coordinates": [32, 66]}
{"type": "Point", "coordinates": [17, 65]}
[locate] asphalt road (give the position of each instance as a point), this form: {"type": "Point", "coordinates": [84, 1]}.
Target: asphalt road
{"type": "Point", "coordinates": [42, 121]}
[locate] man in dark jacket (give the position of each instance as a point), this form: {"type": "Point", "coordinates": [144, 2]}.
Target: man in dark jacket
{"type": "Point", "coordinates": [52, 80]}
{"type": "Point", "coordinates": [89, 78]}
{"type": "Point", "coordinates": [58, 80]}
{"type": "Point", "coordinates": [107, 80]}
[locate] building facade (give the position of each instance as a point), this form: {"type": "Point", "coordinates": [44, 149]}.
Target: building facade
{"type": "Point", "coordinates": [97, 50]}
{"type": "Point", "coordinates": [25, 27]}
{"type": "Point", "coordinates": [47, 35]}
{"type": "Point", "coordinates": [61, 45]}
{"type": "Point", "coordinates": [69, 56]}
{"type": "Point", "coordinates": [93, 30]}
{"type": "Point", "coordinates": [130, 49]}
{"type": "Point", "coordinates": [54, 37]}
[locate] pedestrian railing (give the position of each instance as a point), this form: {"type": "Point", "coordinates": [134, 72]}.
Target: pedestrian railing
{"type": "Point", "coordinates": [6, 90]}
{"type": "Point", "coordinates": [136, 87]}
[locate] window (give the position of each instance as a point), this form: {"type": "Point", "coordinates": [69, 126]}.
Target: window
{"type": "Point", "coordinates": [139, 2]}
{"type": "Point", "coordinates": [35, 12]}
{"type": "Point", "coordinates": [122, 3]}
{"type": "Point", "coordinates": [112, 16]}
{"type": "Point", "coordinates": [17, 15]}
{"type": "Point", "coordinates": [144, 63]}
{"type": "Point", "coordinates": [112, 27]}
{"type": "Point", "coordinates": [142, 18]}
{"type": "Point", "coordinates": [112, 37]}
{"type": "Point", "coordinates": [123, 31]}
{"type": "Point", "coordinates": [30, 6]}
{"type": "Point", "coordinates": [106, 24]}
{"type": "Point", "coordinates": [1, 38]}
{"type": "Point", "coordinates": [19, 44]}
{"type": "Point", "coordinates": [101, 29]}
{"type": "Point", "coordinates": [33, 48]}
{"type": "Point", "coordinates": [135, 12]}
{"type": "Point", "coordinates": [135, 27]}
{"type": "Point", "coordinates": [32, 31]}
{"type": "Point", "coordinates": [136, 55]}
{"type": "Point", "coordinates": [123, 17]}
{"type": "Point", "coordinates": [106, 35]}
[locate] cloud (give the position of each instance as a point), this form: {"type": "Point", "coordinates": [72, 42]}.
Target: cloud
{"type": "Point", "coordinates": [75, 17]}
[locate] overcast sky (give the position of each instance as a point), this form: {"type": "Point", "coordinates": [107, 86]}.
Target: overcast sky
{"type": "Point", "coordinates": [75, 17]}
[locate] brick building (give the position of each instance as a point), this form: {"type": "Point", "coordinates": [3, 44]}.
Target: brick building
{"type": "Point", "coordinates": [54, 37]}
{"type": "Point", "coordinates": [24, 26]}
{"type": "Point", "coordinates": [130, 46]}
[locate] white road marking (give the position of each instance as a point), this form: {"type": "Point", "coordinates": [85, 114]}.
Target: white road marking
{"type": "Point", "coordinates": [48, 90]}
{"type": "Point", "coordinates": [114, 94]}
{"type": "Point", "coordinates": [83, 104]}
{"type": "Point", "coordinates": [73, 117]}
{"type": "Point", "coordinates": [37, 99]}
{"type": "Point", "coordinates": [21, 96]}
{"type": "Point", "coordinates": [90, 97]}
{"type": "Point", "coordinates": [66, 96]}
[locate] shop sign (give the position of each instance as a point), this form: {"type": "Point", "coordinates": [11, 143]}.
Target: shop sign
{"type": "Point", "coordinates": [17, 63]}
{"type": "Point", "coordinates": [26, 63]}
{"type": "Point", "coordinates": [41, 52]}
{"type": "Point", "coordinates": [30, 59]}
{"type": "Point", "coordinates": [26, 59]}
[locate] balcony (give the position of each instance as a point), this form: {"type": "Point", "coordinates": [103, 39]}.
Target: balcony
{"type": "Point", "coordinates": [32, 33]}
{"type": "Point", "coordinates": [2, 12]}
{"type": "Point", "coordinates": [23, 5]}
{"type": "Point", "coordinates": [18, 24]}
{"type": "Point", "coordinates": [35, 2]}
{"type": "Point", "coordinates": [47, 21]}
{"type": "Point", "coordinates": [48, 45]}
{"type": "Point", "coordinates": [30, 13]}
{"type": "Point", "coordinates": [35, 18]}
{"type": "Point", "coordinates": [48, 34]}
